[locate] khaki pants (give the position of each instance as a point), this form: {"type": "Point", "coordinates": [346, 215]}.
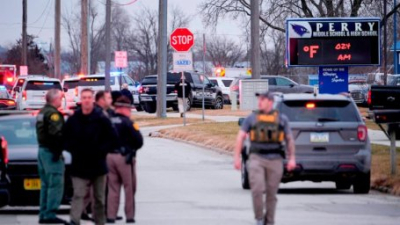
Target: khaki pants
{"type": "Point", "coordinates": [120, 174]}
{"type": "Point", "coordinates": [264, 175]}
{"type": "Point", "coordinates": [182, 104]}
{"type": "Point", "coordinates": [81, 188]}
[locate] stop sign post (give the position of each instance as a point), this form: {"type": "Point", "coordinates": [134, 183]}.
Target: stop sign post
{"type": "Point", "coordinates": [182, 39]}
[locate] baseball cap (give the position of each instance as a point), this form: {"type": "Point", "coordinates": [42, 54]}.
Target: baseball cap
{"type": "Point", "coordinates": [123, 101]}
{"type": "Point", "coordinates": [266, 94]}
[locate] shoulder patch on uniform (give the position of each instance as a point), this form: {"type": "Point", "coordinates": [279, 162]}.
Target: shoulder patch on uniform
{"type": "Point", "coordinates": [55, 117]}
{"type": "Point", "coordinates": [136, 126]}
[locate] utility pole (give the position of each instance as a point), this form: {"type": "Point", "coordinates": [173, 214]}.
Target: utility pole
{"type": "Point", "coordinates": [108, 44]}
{"type": "Point", "coordinates": [255, 39]}
{"type": "Point", "coordinates": [385, 43]}
{"type": "Point", "coordinates": [84, 37]}
{"type": "Point", "coordinates": [162, 60]}
{"type": "Point", "coordinates": [24, 34]}
{"type": "Point", "coordinates": [89, 38]}
{"type": "Point", "coordinates": [57, 37]}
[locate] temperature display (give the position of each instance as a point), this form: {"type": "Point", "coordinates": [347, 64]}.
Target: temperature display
{"type": "Point", "coordinates": [344, 51]}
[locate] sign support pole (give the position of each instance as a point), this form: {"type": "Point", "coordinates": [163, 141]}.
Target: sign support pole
{"type": "Point", "coordinates": [183, 99]}
{"type": "Point", "coordinates": [204, 71]}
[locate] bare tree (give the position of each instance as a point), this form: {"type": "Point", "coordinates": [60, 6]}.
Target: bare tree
{"type": "Point", "coordinates": [224, 52]}
{"type": "Point", "coordinates": [273, 10]}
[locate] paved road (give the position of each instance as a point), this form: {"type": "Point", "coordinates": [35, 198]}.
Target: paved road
{"type": "Point", "coordinates": [180, 184]}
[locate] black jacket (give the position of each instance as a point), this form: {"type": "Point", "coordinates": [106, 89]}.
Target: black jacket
{"type": "Point", "coordinates": [128, 94]}
{"type": "Point", "coordinates": [130, 137]}
{"type": "Point", "coordinates": [89, 138]}
{"type": "Point", "coordinates": [179, 89]}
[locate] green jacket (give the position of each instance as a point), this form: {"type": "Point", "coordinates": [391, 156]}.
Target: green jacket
{"type": "Point", "coordinates": [49, 127]}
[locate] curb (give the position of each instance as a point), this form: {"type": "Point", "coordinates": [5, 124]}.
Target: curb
{"type": "Point", "coordinates": [208, 147]}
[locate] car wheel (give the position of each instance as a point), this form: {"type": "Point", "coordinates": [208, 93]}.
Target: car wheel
{"type": "Point", "coordinates": [362, 183]}
{"type": "Point", "coordinates": [139, 108]}
{"type": "Point", "coordinates": [219, 103]}
{"type": "Point", "coordinates": [343, 185]}
{"type": "Point", "coordinates": [150, 107]}
{"type": "Point", "coordinates": [245, 176]}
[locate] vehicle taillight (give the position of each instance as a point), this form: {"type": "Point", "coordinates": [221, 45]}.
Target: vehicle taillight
{"type": "Point", "coordinates": [310, 105]}
{"type": "Point", "coordinates": [76, 91]}
{"type": "Point", "coordinates": [24, 97]}
{"type": "Point", "coordinates": [369, 100]}
{"type": "Point", "coordinates": [362, 133]}
{"type": "Point", "coordinates": [4, 149]}
{"type": "Point", "coordinates": [10, 79]}
{"type": "Point", "coordinates": [140, 90]}
{"type": "Point", "coordinates": [235, 88]}
{"type": "Point", "coordinates": [10, 102]}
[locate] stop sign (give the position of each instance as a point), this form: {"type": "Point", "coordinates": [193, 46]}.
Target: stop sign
{"type": "Point", "coordinates": [182, 39]}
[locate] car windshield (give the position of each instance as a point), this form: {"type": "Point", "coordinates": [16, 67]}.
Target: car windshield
{"type": "Point", "coordinates": [71, 84]}
{"type": "Point", "coordinates": [42, 85]}
{"type": "Point", "coordinates": [19, 131]}
{"type": "Point", "coordinates": [320, 111]}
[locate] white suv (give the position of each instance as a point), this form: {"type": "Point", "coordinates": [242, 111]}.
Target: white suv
{"type": "Point", "coordinates": [224, 83]}
{"type": "Point", "coordinates": [97, 83]}
{"type": "Point", "coordinates": [30, 91]}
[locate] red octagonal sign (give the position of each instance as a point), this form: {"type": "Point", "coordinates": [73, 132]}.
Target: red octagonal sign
{"type": "Point", "coordinates": [182, 39]}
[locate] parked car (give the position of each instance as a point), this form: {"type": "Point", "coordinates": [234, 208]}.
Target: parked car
{"type": "Point", "coordinates": [213, 97]}
{"type": "Point", "coordinates": [275, 84]}
{"type": "Point", "coordinates": [6, 101]}
{"type": "Point", "coordinates": [224, 83]}
{"type": "Point", "coordinates": [30, 91]}
{"type": "Point", "coordinates": [359, 91]}
{"type": "Point", "coordinates": [4, 179]}
{"type": "Point", "coordinates": [71, 94]}
{"type": "Point", "coordinates": [97, 82]}
{"type": "Point", "coordinates": [24, 187]}
{"type": "Point", "coordinates": [331, 141]}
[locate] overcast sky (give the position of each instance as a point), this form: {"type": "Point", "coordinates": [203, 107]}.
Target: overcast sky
{"type": "Point", "coordinates": [41, 18]}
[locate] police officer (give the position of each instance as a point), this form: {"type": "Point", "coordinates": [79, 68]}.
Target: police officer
{"type": "Point", "coordinates": [267, 130]}
{"type": "Point", "coordinates": [122, 163]}
{"type": "Point", "coordinates": [49, 127]}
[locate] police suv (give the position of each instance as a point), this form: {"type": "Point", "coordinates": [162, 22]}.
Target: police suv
{"type": "Point", "coordinates": [29, 91]}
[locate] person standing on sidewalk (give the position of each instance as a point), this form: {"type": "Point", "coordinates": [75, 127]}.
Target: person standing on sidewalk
{"type": "Point", "coordinates": [179, 86]}
{"type": "Point", "coordinates": [122, 162]}
{"type": "Point", "coordinates": [89, 136]}
{"type": "Point", "coordinates": [51, 166]}
{"type": "Point", "coordinates": [267, 130]}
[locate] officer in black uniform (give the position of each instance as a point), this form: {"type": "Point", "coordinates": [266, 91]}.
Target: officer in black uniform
{"type": "Point", "coordinates": [49, 127]}
{"type": "Point", "coordinates": [122, 162]}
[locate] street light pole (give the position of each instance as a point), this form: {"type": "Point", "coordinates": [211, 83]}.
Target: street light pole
{"type": "Point", "coordinates": [162, 60]}
{"type": "Point", "coordinates": [108, 44]}
{"type": "Point", "coordinates": [255, 39]}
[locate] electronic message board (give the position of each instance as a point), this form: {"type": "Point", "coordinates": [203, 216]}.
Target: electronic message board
{"type": "Point", "coordinates": [333, 42]}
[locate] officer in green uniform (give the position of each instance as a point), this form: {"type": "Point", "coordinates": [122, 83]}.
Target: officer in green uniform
{"type": "Point", "coordinates": [50, 162]}
{"type": "Point", "coordinates": [267, 129]}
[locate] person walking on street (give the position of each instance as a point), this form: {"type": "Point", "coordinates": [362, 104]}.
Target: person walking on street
{"type": "Point", "coordinates": [126, 92]}
{"type": "Point", "coordinates": [267, 130]}
{"type": "Point", "coordinates": [89, 136]}
{"type": "Point", "coordinates": [182, 106]}
{"type": "Point", "coordinates": [122, 162]}
{"type": "Point", "coordinates": [51, 166]}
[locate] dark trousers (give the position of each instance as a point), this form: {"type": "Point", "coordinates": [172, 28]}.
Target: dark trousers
{"type": "Point", "coordinates": [120, 174]}
{"type": "Point", "coordinates": [81, 188]}
{"type": "Point", "coordinates": [52, 183]}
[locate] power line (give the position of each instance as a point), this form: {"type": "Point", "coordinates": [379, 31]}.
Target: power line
{"type": "Point", "coordinates": [45, 20]}
{"type": "Point", "coordinates": [41, 15]}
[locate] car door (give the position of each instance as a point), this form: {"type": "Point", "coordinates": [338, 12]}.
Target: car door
{"type": "Point", "coordinates": [285, 85]}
